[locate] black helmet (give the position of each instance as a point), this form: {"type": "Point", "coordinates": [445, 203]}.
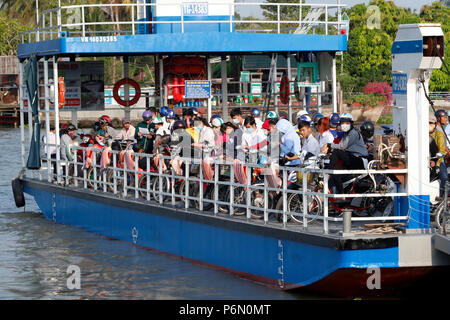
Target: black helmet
{"type": "Point", "coordinates": [96, 126]}
{"type": "Point", "coordinates": [440, 113]}
{"type": "Point", "coordinates": [367, 129]}
{"type": "Point", "coordinates": [71, 127]}
{"type": "Point", "coordinates": [179, 124]}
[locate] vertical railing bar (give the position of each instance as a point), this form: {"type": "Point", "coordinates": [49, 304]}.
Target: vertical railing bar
{"type": "Point", "coordinates": [278, 18]}
{"type": "Point", "coordinates": [249, 171]}
{"type": "Point", "coordinates": [75, 168]}
{"type": "Point", "coordinates": [84, 171]}
{"type": "Point", "coordinates": [200, 187]}
{"type": "Point", "coordinates": [125, 176]}
{"type": "Point", "coordinates": [160, 180]}
{"type": "Point", "coordinates": [136, 184]}
{"type": "Point", "coordinates": [305, 199]}
{"type": "Point", "coordinates": [132, 19]}
{"type": "Point", "coordinates": [285, 209]}
{"type": "Point", "coordinates": [95, 168]}
{"type": "Point", "coordinates": [172, 185]}
{"type": "Point", "coordinates": [83, 22]}
{"type": "Point", "coordinates": [186, 185]}
{"type": "Point", "coordinates": [266, 201]}
{"type": "Point", "coordinates": [216, 187]}
{"type": "Point", "coordinates": [231, 189]}
{"type": "Point", "coordinates": [114, 168]}
{"type": "Point", "coordinates": [325, 206]}
{"type": "Point", "coordinates": [148, 177]}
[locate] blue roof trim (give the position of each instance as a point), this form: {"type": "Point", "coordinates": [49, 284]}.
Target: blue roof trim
{"type": "Point", "coordinates": [413, 46]}
{"type": "Point", "coordinates": [194, 42]}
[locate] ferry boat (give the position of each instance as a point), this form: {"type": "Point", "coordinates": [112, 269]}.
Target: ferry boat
{"type": "Point", "coordinates": [222, 216]}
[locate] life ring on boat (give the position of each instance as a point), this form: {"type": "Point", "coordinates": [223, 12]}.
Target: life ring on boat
{"type": "Point", "coordinates": [132, 83]}
{"type": "Point", "coordinates": [284, 90]}
{"type": "Point", "coordinates": [17, 189]}
{"type": "Point", "coordinates": [61, 92]}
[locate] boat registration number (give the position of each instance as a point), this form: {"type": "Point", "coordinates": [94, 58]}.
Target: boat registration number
{"type": "Point", "coordinates": [195, 9]}
{"type": "Point", "coordinates": [99, 39]}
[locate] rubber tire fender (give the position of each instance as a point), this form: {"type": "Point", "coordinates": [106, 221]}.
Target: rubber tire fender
{"type": "Point", "coordinates": [17, 188]}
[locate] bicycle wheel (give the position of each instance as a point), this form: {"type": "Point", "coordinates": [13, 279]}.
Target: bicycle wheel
{"type": "Point", "coordinates": [142, 185]}
{"type": "Point", "coordinates": [295, 204]}
{"type": "Point", "coordinates": [155, 188]}
{"type": "Point", "coordinates": [257, 200]}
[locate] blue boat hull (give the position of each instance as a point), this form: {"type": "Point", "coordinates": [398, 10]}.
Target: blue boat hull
{"type": "Point", "coordinates": [278, 257]}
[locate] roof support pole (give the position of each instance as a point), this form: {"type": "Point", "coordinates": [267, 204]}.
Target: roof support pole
{"type": "Point", "coordinates": [224, 88]}
{"type": "Point", "coordinates": [161, 76]}
{"type": "Point", "coordinates": [22, 111]}
{"type": "Point", "coordinates": [47, 121]}
{"type": "Point", "coordinates": [56, 108]}
{"type": "Point", "coordinates": [289, 75]}
{"type": "Point", "coordinates": [208, 68]}
{"type": "Point", "coordinates": [334, 84]}
{"type": "Point", "coordinates": [126, 87]}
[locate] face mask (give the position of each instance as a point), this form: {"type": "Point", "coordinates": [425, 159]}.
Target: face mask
{"type": "Point", "coordinates": [250, 130]}
{"type": "Point", "coordinates": [229, 131]}
{"type": "Point", "coordinates": [236, 121]}
{"type": "Point", "coordinates": [266, 132]}
{"type": "Point", "coordinates": [345, 127]}
{"type": "Point", "coordinates": [200, 128]}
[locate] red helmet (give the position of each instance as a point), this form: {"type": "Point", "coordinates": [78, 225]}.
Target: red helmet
{"type": "Point", "coordinates": [105, 118]}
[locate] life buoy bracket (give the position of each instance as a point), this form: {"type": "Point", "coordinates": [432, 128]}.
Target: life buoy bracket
{"type": "Point", "coordinates": [132, 83]}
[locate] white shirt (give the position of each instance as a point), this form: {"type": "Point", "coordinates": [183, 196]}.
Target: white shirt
{"type": "Point", "coordinates": [251, 139]}
{"type": "Point", "coordinates": [51, 140]}
{"type": "Point", "coordinates": [310, 145]}
{"type": "Point", "coordinates": [325, 138]}
{"type": "Point", "coordinates": [447, 132]}
{"type": "Point", "coordinates": [126, 134]}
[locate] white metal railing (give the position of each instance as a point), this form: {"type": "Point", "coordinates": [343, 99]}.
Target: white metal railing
{"type": "Point", "coordinates": [252, 199]}
{"type": "Point", "coordinates": [75, 20]}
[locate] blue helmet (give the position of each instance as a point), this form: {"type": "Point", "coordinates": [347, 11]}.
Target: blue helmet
{"type": "Point", "coordinates": [147, 115]}
{"type": "Point", "coordinates": [195, 111]}
{"type": "Point", "coordinates": [305, 118]}
{"type": "Point", "coordinates": [164, 111]}
{"type": "Point", "coordinates": [334, 119]}
{"type": "Point", "coordinates": [256, 112]}
{"type": "Point", "coordinates": [170, 114]}
{"type": "Point", "coordinates": [317, 117]}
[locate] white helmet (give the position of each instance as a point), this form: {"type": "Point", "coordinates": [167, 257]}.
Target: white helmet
{"type": "Point", "coordinates": [301, 113]}
{"type": "Point", "coordinates": [346, 117]}
{"type": "Point", "coordinates": [217, 122]}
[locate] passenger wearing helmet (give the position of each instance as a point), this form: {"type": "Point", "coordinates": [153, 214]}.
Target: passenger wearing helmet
{"type": "Point", "coordinates": [367, 130]}
{"type": "Point", "coordinates": [237, 119]}
{"type": "Point", "coordinates": [272, 115]}
{"type": "Point", "coordinates": [302, 113]}
{"type": "Point", "coordinates": [67, 143]}
{"type": "Point", "coordinates": [216, 125]}
{"type": "Point", "coordinates": [170, 119]}
{"type": "Point", "coordinates": [441, 125]}
{"type": "Point", "coordinates": [106, 130]}
{"type": "Point", "coordinates": [145, 133]}
{"type": "Point", "coordinates": [257, 116]}
{"type": "Point", "coordinates": [348, 153]}
{"type": "Point", "coordinates": [437, 145]}
{"type": "Point", "coordinates": [127, 132]}
{"type": "Point", "coordinates": [334, 125]}
{"type": "Point", "coordinates": [315, 121]}
{"type": "Point", "coordinates": [162, 134]}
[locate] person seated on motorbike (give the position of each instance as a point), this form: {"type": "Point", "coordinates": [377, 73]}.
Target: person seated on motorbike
{"type": "Point", "coordinates": [316, 126]}
{"type": "Point", "coordinates": [216, 125]}
{"type": "Point", "coordinates": [206, 141]}
{"type": "Point", "coordinates": [346, 153]}
{"type": "Point", "coordinates": [188, 118]}
{"type": "Point", "coordinates": [272, 115]}
{"type": "Point", "coordinates": [170, 119]}
{"type": "Point", "coordinates": [334, 126]}
{"type": "Point", "coordinates": [145, 133]}
{"type": "Point", "coordinates": [106, 130]}
{"type": "Point", "coordinates": [67, 143]}
{"type": "Point", "coordinates": [367, 130]}
{"type": "Point", "coordinates": [439, 139]}
{"type": "Point", "coordinates": [162, 135]}
{"type": "Point", "coordinates": [290, 146]}
{"type": "Point", "coordinates": [254, 141]}
{"type": "Point", "coordinates": [127, 132]}
{"type": "Point", "coordinates": [310, 146]}
{"type": "Point", "coordinates": [325, 135]}
{"type": "Point", "coordinates": [230, 141]}
{"type": "Point", "coordinates": [441, 125]}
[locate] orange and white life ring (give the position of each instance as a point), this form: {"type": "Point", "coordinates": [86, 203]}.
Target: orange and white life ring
{"type": "Point", "coordinates": [61, 92]}
{"type": "Point", "coordinates": [131, 82]}
{"type": "Point", "coordinates": [284, 90]}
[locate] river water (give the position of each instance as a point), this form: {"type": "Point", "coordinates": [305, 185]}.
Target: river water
{"type": "Point", "coordinates": [36, 253]}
